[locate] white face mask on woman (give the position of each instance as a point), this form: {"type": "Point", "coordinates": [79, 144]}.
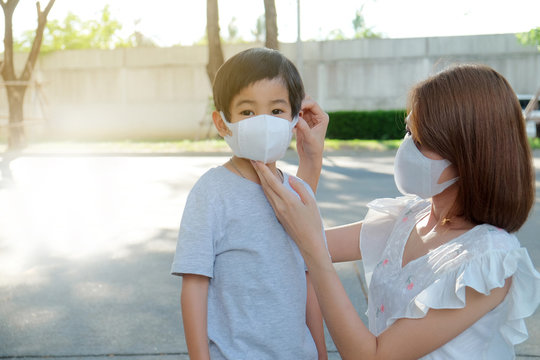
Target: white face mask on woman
{"type": "Point", "coordinates": [262, 137]}
{"type": "Point", "coordinates": [414, 173]}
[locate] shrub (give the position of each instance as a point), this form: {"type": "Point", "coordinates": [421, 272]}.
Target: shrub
{"type": "Point", "coordinates": [375, 125]}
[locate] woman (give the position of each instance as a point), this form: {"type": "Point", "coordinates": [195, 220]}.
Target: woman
{"type": "Point", "coordinates": [447, 279]}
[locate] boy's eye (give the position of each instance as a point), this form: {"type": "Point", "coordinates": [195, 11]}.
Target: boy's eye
{"type": "Point", "coordinates": [247, 113]}
{"type": "Point", "coordinates": [277, 111]}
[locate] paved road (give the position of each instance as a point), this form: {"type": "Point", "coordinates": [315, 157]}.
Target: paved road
{"type": "Point", "coordinates": [86, 244]}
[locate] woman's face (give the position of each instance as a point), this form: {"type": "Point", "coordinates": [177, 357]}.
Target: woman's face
{"type": "Point", "coordinates": [449, 173]}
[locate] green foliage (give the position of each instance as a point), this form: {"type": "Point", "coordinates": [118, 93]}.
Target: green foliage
{"type": "Point", "coordinates": [73, 33]}
{"type": "Point", "coordinates": [361, 31]}
{"type": "Point", "coordinates": [530, 38]}
{"type": "Point", "coordinates": [377, 125]}
{"type": "Point", "coordinates": [260, 29]}
{"type": "Point", "coordinates": [535, 143]}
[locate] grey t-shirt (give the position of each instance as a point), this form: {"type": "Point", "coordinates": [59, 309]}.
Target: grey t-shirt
{"type": "Point", "coordinates": [257, 289]}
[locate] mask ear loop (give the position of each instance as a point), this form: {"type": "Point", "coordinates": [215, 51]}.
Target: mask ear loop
{"type": "Point", "coordinates": [225, 121]}
{"type": "Point", "coordinates": [294, 122]}
{"type": "Point", "coordinates": [442, 165]}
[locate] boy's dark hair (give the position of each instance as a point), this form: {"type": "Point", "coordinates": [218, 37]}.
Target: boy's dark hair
{"type": "Point", "coordinates": [250, 66]}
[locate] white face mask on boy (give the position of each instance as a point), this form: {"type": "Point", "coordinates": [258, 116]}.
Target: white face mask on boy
{"type": "Point", "coordinates": [262, 137]}
{"type": "Point", "coordinates": [414, 173]}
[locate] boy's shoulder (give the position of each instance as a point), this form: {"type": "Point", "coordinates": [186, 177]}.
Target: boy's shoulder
{"type": "Point", "coordinates": [286, 177]}
{"type": "Point", "coordinates": [211, 179]}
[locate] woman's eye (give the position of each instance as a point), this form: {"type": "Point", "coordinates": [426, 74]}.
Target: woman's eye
{"type": "Point", "coordinates": [277, 111]}
{"type": "Point", "coordinates": [247, 113]}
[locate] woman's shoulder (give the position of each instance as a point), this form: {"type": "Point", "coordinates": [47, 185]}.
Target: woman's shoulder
{"type": "Point", "coordinates": [395, 206]}
{"type": "Point", "coordinates": [482, 259]}
{"type": "Point", "coordinates": [486, 238]}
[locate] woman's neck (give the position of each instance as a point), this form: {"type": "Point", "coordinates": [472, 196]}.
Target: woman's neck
{"type": "Point", "coordinates": [441, 207]}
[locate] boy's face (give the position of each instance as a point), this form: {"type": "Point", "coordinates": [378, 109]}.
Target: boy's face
{"type": "Point", "coordinates": [265, 96]}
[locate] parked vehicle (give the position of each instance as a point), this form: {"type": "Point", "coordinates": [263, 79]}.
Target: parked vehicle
{"type": "Point", "coordinates": [531, 113]}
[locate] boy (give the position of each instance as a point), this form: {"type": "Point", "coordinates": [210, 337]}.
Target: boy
{"type": "Point", "coordinates": [245, 291]}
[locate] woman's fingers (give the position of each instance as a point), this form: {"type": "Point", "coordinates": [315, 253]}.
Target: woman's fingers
{"type": "Point", "coordinates": [313, 114]}
{"type": "Point", "coordinates": [268, 179]}
{"type": "Point", "coordinates": [300, 189]}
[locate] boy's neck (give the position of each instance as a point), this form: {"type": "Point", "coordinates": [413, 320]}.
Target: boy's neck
{"type": "Point", "coordinates": [242, 167]}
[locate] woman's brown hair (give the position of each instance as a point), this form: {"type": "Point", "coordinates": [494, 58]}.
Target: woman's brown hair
{"type": "Point", "coordinates": [470, 115]}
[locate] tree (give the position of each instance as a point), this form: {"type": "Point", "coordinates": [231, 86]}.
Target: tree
{"type": "Point", "coordinates": [530, 38]}
{"type": "Point", "coordinates": [259, 31]}
{"type": "Point", "coordinates": [233, 31]}
{"type": "Point", "coordinates": [215, 53]}
{"type": "Point", "coordinates": [360, 28]}
{"type": "Point", "coordinates": [16, 85]}
{"type": "Point", "coordinates": [73, 33]}
{"type": "Point", "coordinates": [270, 17]}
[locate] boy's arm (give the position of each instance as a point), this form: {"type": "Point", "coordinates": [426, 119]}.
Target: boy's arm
{"type": "Point", "coordinates": [314, 320]}
{"type": "Point", "coordinates": [194, 301]}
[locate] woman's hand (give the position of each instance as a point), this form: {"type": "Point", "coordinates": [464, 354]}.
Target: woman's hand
{"type": "Point", "coordinates": [299, 215]}
{"type": "Point", "coordinates": [310, 134]}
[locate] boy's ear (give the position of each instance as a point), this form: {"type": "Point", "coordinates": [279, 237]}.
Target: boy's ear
{"type": "Point", "coordinates": [220, 124]}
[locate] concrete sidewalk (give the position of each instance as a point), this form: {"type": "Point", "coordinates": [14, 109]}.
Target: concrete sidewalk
{"type": "Point", "coordinates": [86, 245]}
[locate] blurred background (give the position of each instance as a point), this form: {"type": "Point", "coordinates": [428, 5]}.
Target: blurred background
{"type": "Point", "coordinates": [105, 126]}
{"type": "Point", "coordinates": [117, 70]}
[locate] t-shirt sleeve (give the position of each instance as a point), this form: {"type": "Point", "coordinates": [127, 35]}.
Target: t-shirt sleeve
{"type": "Point", "coordinates": [198, 231]}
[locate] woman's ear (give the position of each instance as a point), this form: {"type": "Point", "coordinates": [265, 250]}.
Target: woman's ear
{"type": "Point", "coordinates": [220, 125]}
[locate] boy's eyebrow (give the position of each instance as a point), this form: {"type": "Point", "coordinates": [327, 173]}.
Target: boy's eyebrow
{"type": "Point", "coordinates": [243, 102]}
{"type": "Point", "coordinates": [251, 102]}
{"type": "Point", "coordinates": [279, 101]}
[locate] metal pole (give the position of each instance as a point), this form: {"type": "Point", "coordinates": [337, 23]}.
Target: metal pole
{"type": "Point", "coordinates": [299, 55]}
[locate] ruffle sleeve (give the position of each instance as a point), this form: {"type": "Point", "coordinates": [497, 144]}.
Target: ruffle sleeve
{"type": "Point", "coordinates": [377, 227]}
{"type": "Point", "coordinates": [484, 273]}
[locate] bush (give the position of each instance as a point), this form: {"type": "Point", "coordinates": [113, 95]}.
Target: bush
{"type": "Point", "coordinates": [373, 125]}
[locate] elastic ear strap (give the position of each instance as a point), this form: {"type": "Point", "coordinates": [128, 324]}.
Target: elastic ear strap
{"type": "Point", "coordinates": [225, 121]}
{"type": "Point", "coordinates": [294, 121]}
{"type": "Point", "coordinates": [441, 187]}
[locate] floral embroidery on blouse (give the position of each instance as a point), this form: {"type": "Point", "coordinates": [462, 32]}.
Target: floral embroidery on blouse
{"type": "Point", "coordinates": [410, 283]}
{"type": "Point", "coordinates": [380, 310]}
{"type": "Point", "coordinates": [383, 262]}
{"type": "Point", "coordinates": [406, 217]}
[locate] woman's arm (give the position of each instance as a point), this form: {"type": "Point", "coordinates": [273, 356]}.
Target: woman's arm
{"type": "Point", "coordinates": [314, 320]}
{"type": "Point", "coordinates": [344, 242]}
{"type": "Point", "coordinates": [194, 301]}
{"type": "Point", "coordinates": [406, 338]}
{"type": "Point", "coordinates": [310, 134]}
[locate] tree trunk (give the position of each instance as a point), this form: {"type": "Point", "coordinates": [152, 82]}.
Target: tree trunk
{"type": "Point", "coordinates": [215, 53]}
{"type": "Point", "coordinates": [16, 139]}
{"type": "Point", "coordinates": [16, 86]}
{"type": "Point", "coordinates": [271, 24]}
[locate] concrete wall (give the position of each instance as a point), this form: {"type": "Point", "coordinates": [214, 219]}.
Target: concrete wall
{"type": "Point", "coordinates": [164, 93]}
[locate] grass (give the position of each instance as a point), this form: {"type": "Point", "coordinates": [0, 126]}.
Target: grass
{"type": "Point", "coordinates": [201, 146]}
{"type": "Point", "coordinates": [186, 146]}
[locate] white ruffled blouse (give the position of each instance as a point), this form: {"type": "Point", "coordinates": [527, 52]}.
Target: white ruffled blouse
{"type": "Point", "coordinates": [481, 258]}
